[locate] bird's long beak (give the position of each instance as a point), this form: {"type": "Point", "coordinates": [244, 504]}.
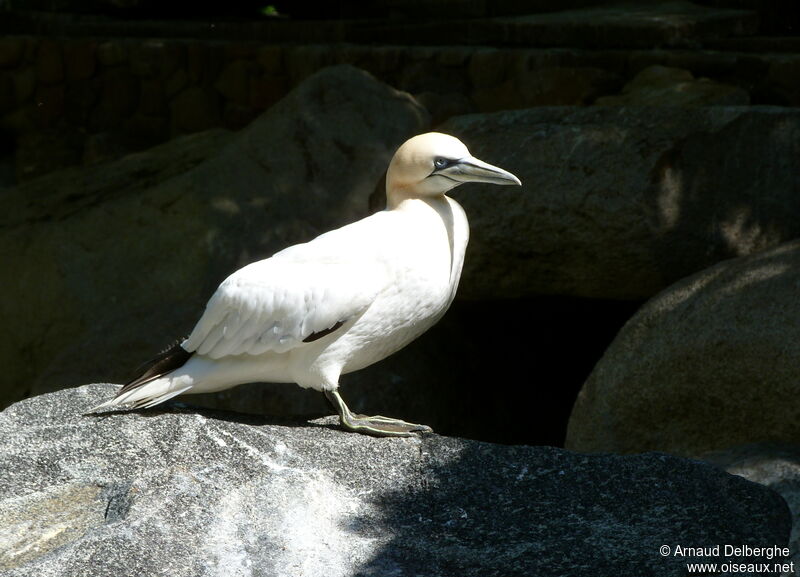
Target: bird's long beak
{"type": "Point", "coordinates": [470, 169]}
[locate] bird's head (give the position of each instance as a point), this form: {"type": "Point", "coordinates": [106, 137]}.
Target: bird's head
{"type": "Point", "coordinates": [430, 164]}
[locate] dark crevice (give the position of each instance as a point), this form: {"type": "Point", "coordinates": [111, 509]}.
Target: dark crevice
{"type": "Point", "coordinates": [119, 500]}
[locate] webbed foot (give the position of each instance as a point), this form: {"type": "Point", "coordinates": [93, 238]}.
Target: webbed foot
{"type": "Point", "coordinates": [376, 425]}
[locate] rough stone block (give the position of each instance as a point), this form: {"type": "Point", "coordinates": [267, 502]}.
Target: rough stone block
{"type": "Point", "coordinates": [112, 53]}
{"type": "Point", "coordinates": [49, 63]}
{"type": "Point", "coordinates": [234, 81]}
{"type": "Point", "coordinates": [266, 91]}
{"type": "Point", "coordinates": [664, 86]}
{"type": "Point", "coordinates": [645, 25]}
{"type": "Point", "coordinates": [24, 84]}
{"type": "Point", "coordinates": [11, 51]}
{"type": "Point", "coordinates": [80, 100]}
{"type": "Point", "coordinates": [301, 62]}
{"type": "Point", "coordinates": [176, 82]}
{"type": "Point", "coordinates": [172, 59]}
{"type": "Point", "coordinates": [152, 97]}
{"type": "Point", "coordinates": [195, 109]}
{"type": "Point", "coordinates": [783, 79]}
{"type": "Point", "coordinates": [119, 97]}
{"type": "Point", "coordinates": [270, 59]}
{"type": "Point", "coordinates": [146, 58]}
{"type": "Point", "coordinates": [488, 68]}
{"type": "Point", "coordinates": [8, 100]}
{"type": "Point", "coordinates": [49, 104]}
{"type": "Point", "coordinates": [79, 60]}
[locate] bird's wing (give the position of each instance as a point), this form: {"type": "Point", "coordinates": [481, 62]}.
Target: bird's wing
{"type": "Point", "coordinates": [277, 304]}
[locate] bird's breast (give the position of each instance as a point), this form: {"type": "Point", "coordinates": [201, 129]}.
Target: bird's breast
{"type": "Point", "coordinates": [419, 249]}
{"type": "Point", "coordinates": [427, 255]}
{"type": "Point", "coordinates": [423, 268]}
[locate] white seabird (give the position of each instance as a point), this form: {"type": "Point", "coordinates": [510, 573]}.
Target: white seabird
{"type": "Point", "coordinates": [338, 303]}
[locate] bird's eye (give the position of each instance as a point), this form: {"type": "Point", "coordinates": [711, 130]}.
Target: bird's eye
{"type": "Point", "coordinates": [440, 162]}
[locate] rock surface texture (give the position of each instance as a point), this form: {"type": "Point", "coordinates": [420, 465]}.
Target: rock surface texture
{"type": "Point", "coordinates": [186, 493]}
{"type": "Point", "coordinates": [90, 253]}
{"type": "Point", "coordinates": [662, 23]}
{"type": "Point", "coordinates": [709, 363]}
{"type": "Point", "coordinates": [620, 202]}
{"type": "Point", "coordinates": [664, 86]}
{"type": "Point", "coordinates": [774, 465]}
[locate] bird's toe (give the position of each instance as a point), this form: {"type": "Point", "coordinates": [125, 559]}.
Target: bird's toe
{"type": "Point", "coordinates": [380, 426]}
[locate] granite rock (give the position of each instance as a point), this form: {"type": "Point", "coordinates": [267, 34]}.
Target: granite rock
{"type": "Point", "coordinates": [709, 363]}
{"type": "Point", "coordinates": [620, 202]}
{"type": "Point", "coordinates": [188, 493]}
{"type": "Point", "coordinates": [774, 465]}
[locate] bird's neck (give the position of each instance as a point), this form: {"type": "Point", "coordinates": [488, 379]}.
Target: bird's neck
{"type": "Point", "coordinates": [435, 219]}
{"type": "Point", "coordinates": [437, 211]}
{"type": "Point", "coordinates": [399, 196]}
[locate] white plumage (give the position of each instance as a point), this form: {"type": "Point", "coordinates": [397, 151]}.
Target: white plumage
{"type": "Point", "coordinates": [338, 303]}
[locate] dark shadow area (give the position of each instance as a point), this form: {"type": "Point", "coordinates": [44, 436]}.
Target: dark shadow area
{"type": "Point", "coordinates": [776, 17]}
{"type": "Point", "coordinates": [7, 149]}
{"type": "Point", "coordinates": [522, 511]}
{"type": "Point", "coordinates": [499, 371]}
{"type": "Point", "coordinates": [82, 81]}
{"type": "Point", "coordinates": [294, 9]}
{"type": "Point", "coordinates": [722, 207]}
{"type": "Point", "coordinates": [773, 464]}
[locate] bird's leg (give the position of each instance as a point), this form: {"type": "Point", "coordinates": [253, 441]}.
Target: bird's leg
{"type": "Point", "coordinates": [375, 425]}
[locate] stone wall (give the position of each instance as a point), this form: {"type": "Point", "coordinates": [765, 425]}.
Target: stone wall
{"type": "Point", "coordinates": [73, 101]}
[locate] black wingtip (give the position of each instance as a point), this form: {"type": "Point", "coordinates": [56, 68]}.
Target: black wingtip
{"type": "Point", "coordinates": [319, 334]}
{"type": "Point", "coordinates": [171, 358]}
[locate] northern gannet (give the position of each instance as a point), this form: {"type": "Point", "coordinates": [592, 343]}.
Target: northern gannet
{"type": "Point", "coordinates": [338, 303]}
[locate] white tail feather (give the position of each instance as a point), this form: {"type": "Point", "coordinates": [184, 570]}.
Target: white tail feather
{"type": "Point", "coordinates": [162, 398]}
{"type": "Point", "coordinates": [146, 396]}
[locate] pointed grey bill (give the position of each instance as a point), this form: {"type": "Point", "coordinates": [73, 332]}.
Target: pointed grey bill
{"type": "Point", "coordinates": [470, 169]}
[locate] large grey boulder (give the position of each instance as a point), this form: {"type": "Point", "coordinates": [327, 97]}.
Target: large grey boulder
{"type": "Point", "coordinates": [185, 493]}
{"type": "Point", "coordinates": [620, 202]}
{"type": "Point", "coordinates": [709, 363]}
{"type": "Point", "coordinates": [111, 263]}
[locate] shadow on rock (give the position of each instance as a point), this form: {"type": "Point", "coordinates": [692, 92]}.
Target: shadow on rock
{"type": "Point", "coordinates": [487, 510]}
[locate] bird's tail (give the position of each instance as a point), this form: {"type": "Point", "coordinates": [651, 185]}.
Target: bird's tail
{"type": "Point", "coordinates": [148, 395]}
{"type": "Point", "coordinates": [154, 384]}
